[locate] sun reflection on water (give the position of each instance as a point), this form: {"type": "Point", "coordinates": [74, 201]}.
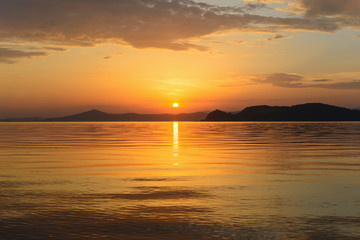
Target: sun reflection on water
{"type": "Point", "coordinates": [175, 140]}
{"type": "Point", "coordinates": [135, 181]}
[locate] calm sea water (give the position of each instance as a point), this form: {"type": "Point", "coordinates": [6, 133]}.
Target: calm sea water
{"type": "Point", "coordinates": [186, 180]}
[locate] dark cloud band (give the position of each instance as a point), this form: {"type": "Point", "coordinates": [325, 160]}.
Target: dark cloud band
{"type": "Point", "coordinates": [332, 7]}
{"type": "Point", "coordinates": [139, 23]}
{"type": "Point", "coordinates": [296, 81]}
{"type": "Point", "coordinates": [8, 55]}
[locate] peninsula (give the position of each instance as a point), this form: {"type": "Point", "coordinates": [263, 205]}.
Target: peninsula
{"type": "Point", "coordinates": [303, 112]}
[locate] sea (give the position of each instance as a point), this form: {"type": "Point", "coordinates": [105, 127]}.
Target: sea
{"type": "Point", "coordinates": [179, 180]}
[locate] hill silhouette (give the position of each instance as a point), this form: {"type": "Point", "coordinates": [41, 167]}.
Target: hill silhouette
{"type": "Point", "coordinates": [303, 112]}
{"type": "Point", "coordinates": [96, 115]}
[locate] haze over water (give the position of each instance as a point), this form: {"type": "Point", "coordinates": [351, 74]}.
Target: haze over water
{"type": "Point", "coordinates": [186, 180]}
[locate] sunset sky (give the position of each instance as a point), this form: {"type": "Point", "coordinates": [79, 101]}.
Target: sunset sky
{"type": "Point", "coordinates": [61, 57]}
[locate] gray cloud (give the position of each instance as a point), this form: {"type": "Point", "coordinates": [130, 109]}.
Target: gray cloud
{"type": "Point", "coordinates": [332, 7]}
{"type": "Point", "coordinates": [281, 80]}
{"type": "Point", "coordinates": [297, 81]}
{"type": "Point", "coordinates": [277, 37]}
{"type": "Point", "coordinates": [340, 85]}
{"type": "Point", "coordinates": [58, 49]}
{"type": "Point", "coordinates": [8, 55]}
{"type": "Point", "coordinates": [322, 80]}
{"type": "Point", "coordinates": [251, 6]}
{"type": "Point", "coordinates": [139, 23]}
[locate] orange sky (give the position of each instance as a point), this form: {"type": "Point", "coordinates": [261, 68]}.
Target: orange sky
{"type": "Point", "coordinates": [64, 56]}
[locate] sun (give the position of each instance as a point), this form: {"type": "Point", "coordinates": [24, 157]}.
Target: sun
{"type": "Point", "coordinates": [175, 105]}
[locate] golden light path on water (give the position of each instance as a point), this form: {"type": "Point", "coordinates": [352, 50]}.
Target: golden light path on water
{"type": "Point", "coordinates": [175, 141]}
{"type": "Point", "coordinates": [179, 180]}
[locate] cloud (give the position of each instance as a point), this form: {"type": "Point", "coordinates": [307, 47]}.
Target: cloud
{"type": "Point", "coordinates": [252, 6]}
{"type": "Point", "coordinates": [107, 57]}
{"type": "Point", "coordinates": [332, 7]}
{"type": "Point", "coordinates": [322, 80]}
{"type": "Point", "coordinates": [297, 81]}
{"type": "Point", "coordinates": [281, 80]}
{"type": "Point", "coordinates": [229, 42]}
{"type": "Point", "coordinates": [58, 49]}
{"type": "Point", "coordinates": [277, 37]}
{"type": "Point", "coordinates": [8, 55]}
{"type": "Point", "coordinates": [340, 85]}
{"type": "Point", "coordinates": [267, 1]}
{"type": "Point", "coordinates": [139, 23]}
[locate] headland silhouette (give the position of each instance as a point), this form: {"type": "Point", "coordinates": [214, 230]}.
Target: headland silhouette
{"type": "Point", "coordinates": [302, 112]}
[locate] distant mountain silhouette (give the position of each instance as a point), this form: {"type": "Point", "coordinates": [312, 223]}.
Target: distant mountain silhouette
{"type": "Point", "coordinates": [303, 112]}
{"type": "Point", "coordinates": [96, 115]}
{"type": "Point", "coordinates": [92, 115]}
{"type": "Point", "coordinates": [34, 119]}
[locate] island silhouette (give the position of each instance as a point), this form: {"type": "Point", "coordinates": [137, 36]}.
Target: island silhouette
{"type": "Point", "coordinates": [302, 112]}
{"type": "Point", "coordinates": [96, 115]}
{"type": "Point", "coordinates": [100, 116]}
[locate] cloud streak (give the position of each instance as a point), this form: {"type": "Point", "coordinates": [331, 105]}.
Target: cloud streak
{"type": "Point", "coordinates": [139, 23]}
{"type": "Point", "coordinates": [297, 81]}
{"type": "Point", "coordinates": [277, 37]}
{"type": "Point", "coordinates": [8, 55]}
{"type": "Point", "coordinates": [332, 7]}
{"type": "Point", "coordinates": [55, 49]}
